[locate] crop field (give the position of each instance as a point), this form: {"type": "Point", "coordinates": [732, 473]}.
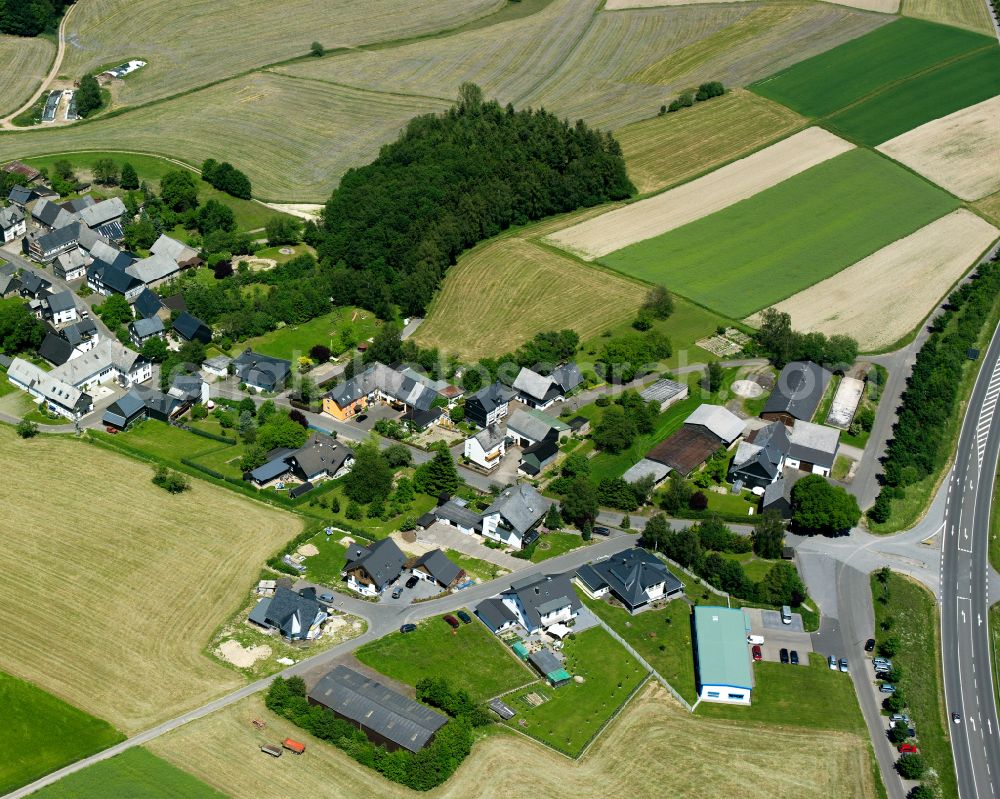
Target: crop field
{"type": "Point", "coordinates": [30, 748]}
{"type": "Point", "coordinates": [909, 276]}
{"type": "Point", "coordinates": [934, 94]}
{"type": "Point", "coordinates": [135, 580]}
{"type": "Point", "coordinates": [706, 195]}
{"type": "Point", "coordinates": [189, 43]}
{"type": "Point", "coordinates": [506, 290]}
{"type": "Point", "coordinates": [681, 755]}
{"type": "Point", "coordinates": [844, 75]}
{"type": "Point", "coordinates": [885, 6]}
{"type": "Point", "coordinates": [136, 773]}
{"type": "Point", "coordinates": [971, 14]}
{"type": "Point", "coordinates": [990, 207]}
{"type": "Point", "coordinates": [24, 62]}
{"type": "Point", "coordinates": [958, 152]}
{"type": "Point", "coordinates": [763, 249]}
{"type": "Point", "coordinates": [667, 149]}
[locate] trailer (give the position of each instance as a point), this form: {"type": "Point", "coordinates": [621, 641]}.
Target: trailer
{"type": "Point", "coordinates": [271, 749]}
{"type": "Point", "coordinates": [293, 746]}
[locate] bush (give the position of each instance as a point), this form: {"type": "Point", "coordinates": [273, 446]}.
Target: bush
{"type": "Point", "coordinates": [911, 767]}
{"type": "Point", "coordinates": [698, 501]}
{"type": "Point", "coordinates": [26, 429]}
{"type": "Point", "coordinates": [171, 481]}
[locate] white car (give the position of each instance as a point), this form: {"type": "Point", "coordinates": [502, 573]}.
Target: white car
{"type": "Point", "coordinates": [833, 662]}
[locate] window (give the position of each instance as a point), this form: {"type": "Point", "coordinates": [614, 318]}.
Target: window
{"type": "Point", "coordinates": [713, 694]}
{"type": "Point", "coordinates": [736, 696]}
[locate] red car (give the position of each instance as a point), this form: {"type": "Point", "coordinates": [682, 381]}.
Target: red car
{"type": "Point", "coordinates": [908, 749]}
{"type": "Point", "coordinates": [757, 654]}
{"type": "Point", "coordinates": [112, 430]}
{"type": "Point", "coordinates": [455, 623]}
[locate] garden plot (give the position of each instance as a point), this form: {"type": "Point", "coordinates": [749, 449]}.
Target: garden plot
{"type": "Point", "coordinates": [960, 152]}
{"type": "Point", "coordinates": [699, 198]}
{"type": "Point", "coordinates": [880, 299]}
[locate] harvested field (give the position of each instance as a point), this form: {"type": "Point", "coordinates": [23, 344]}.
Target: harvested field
{"type": "Point", "coordinates": [764, 249]}
{"type": "Point", "coordinates": [506, 290]}
{"type": "Point", "coordinates": [681, 755]}
{"type": "Point", "coordinates": [990, 206]}
{"type": "Point", "coordinates": [960, 152]}
{"type": "Point", "coordinates": [844, 75]}
{"type": "Point", "coordinates": [971, 14]}
{"type": "Point", "coordinates": [190, 43]}
{"type": "Point", "coordinates": [247, 119]}
{"type": "Point", "coordinates": [24, 62]}
{"type": "Point", "coordinates": [699, 198]}
{"type": "Point", "coordinates": [135, 580]}
{"type": "Point", "coordinates": [909, 276]}
{"type": "Point", "coordinates": [931, 95]}
{"type": "Point", "coordinates": [665, 150]}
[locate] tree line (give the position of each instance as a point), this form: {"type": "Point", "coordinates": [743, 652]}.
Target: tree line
{"type": "Point", "coordinates": [777, 341]}
{"type": "Point", "coordinates": [31, 17]}
{"type": "Point", "coordinates": [225, 177]}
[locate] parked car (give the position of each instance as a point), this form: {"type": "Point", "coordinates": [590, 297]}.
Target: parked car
{"type": "Point", "coordinates": [327, 597]}
{"type": "Point", "coordinates": [832, 661]}
{"type": "Point", "coordinates": [408, 628]}
{"type": "Point", "coordinates": [899, 717]}
{"type": "Point", "coordinates": [870, 645]}
{"type": "Point", "coordinates": [908, 749]}
{"type": "Point", "coordinates": [783, 655]}
{"type": "Point", "coordinates": [956, 718]}
{"type": "Point", "coordinates": [757, 654]}
{"type": "Point", "coordinates": [397, 592]}
{"type": "Point", "coordinates": [602, 531]}
{"type": "Point", "coordinates": [881, 664]}
{"type": "Point", "coordinates": [755, 639]}
{"type": "Point", "coordinates": [794, 656]}
{"type": "Point", "coordinates": [843, 664]}
{"type": "Point", "coordinates": [112, 430]}
{"type": "Point", "coordinates": [786, 614]}
{"type": "Point", "coordinates": [465, 617]}
{"type": "Point", "coordinates": [887, 688]}
{"type": "Point", "coordinates": [361, 417]}
{"type": "Point", "coordinates": [455, 623]}
{"type": "Point", "coordinates": [412, 581]}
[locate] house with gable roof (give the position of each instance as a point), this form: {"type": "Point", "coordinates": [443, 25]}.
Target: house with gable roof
{"type": "Point", "coordinates": [760, 457]}
{"type": "Point", "coordinates": [515, 515]}
{"type": "Point", "coordinates": [56, 394]}
{"type": "Point", "coordinates": [533, 603]}
{"type": "Point", "coordinates": [489, 405]}
{"type": "Point", "coordinates": [434, 567]}
{"type": "Point", "coordinates": [296, 615]}
{"type": "Point", "coordinates": [12, 223]}
{"type": "Point", "coordinates": [370, 569]}
{"type": "Point", "coordinates": [633, 576]}
{"type": "Point", "coordinates": [487, 447]}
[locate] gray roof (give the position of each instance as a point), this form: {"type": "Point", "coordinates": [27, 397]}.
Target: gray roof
{"type": "Point", "coordinates": [533, 424]}
{"type": "Point", "coordinates": [103, 212]}
{"type": "Point", "coordinates": [392, 383]}
{"type": "Point", "coordinates": [51, 214]}
{"type": "Point", "coordinates": [538, 456]}
{"type": "Point", "coordinates": [49, 385]}
{"type": "Point", "coordinates": [101, 250]}
{"type": "Point", "coordinates": [272, 469]}
{"type": "Point", "coordinates": [261, 370]}
{"type": "Point", "coordinates": [156, 401]}
{"type": "Point", "coordinates": [321, 453]}
{"type": "Point", "coordinates": [521, 506]}
{"type": "Point", "coordinates": [568, 376]}
{"type": "Point", "coordinates": [20, 195]}
{"type": "Point", "coordinates": [147, 327]}
{"type": "Point", "coordinates": [545, 661]}
{"type": "Point", "coordinates": [219, 362]}
{"type": "Point", "coordinates": [55, 349]}
{"type": "Point", "coordinates": [186, 387]}
{"type": "Point", "coordinates": [10, 216]}
{"type": "Point", "coordinates": [72, 259]}
{"type": "Point", "coordinates": [459, 514]}
{"type": "Point", "coordinates": [765, 452]}
{"type": "Point", "coordinates": [798, 390]}
{"type": "Point", "coordinates": [383, 711]}
{"type": "Point", "coordinates": [33, 282]}
{"type": "Point", "coordinates": [73, 206]}
{"type": "Point", "coordinates": [490, 437]}
{"type": "Point", "coordinates": [383, 561]}
{"type": "Point", "coordinates": [189, 327]}
{"type": "Point", "coordinates": [494, 613]}
{"type": "Point", "coordinates": [154, 268]}
{"type": "Point", "coordinates": [113, 277]}
{"type": "Point", "coordinates": [292, 612]}
{"type": "Point", "coordinates": [147, 304]}
{"type": "Point", "coordinates": [780, 489]}
{"type": "Point", "coordinates": [108, 352]}
{"type": "Point", "coordinates": [814, 443]}
{"type": "Point", "coordinates": [439, 567]}
{"type": "Point", "coordinates": [173, 249]}
{"type": "Point", "coordinates": [644, 468]}
{"type": "Point", "coordinates": [124, 409]}
{"type": "Point", "coordinates": [492, 396]}
{"type": "Point", "coordinates": [61, 237]}
{"type": "Point", "coordinates": [662, 390]}
{"type": "Point", "coordinates": [542, 594]}
{"type": "Point", "coordinates": [720, 421]}
{"type": "Point", "coordinates": [61, 301]}
{"type": "Point", "coordinates": [629, 574]}
{"type": "Point", "coordinates": [532, 384]}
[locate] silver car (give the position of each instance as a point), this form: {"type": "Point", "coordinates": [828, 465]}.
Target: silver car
{"type": "Point", "coordinates": [833, 662]}
{"type": "Point", "coordinates": [843, 664]}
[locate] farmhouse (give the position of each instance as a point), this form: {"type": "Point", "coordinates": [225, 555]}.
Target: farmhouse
{"type": "Point", "coordinates": [536, 457]}
{"type": "Point", "coordinates": [488, 405]}
{"type": "Point", "coordinates": [188, 388]}
{"type": "Point", "coordinates": [722, 656]}
{"type": "Point", "coordinates": [183, 255]}
{"type": "Point", "coordinates": [262, 372]}
{"type": "Point", "coordinates": [487, 447]}
{"type": "Point", "coordinates": [146, 305]}
{"type": "Point", "coordinates": [534, 603]}
{"type": "Point", "coordinates": [56, 394]}
{"type": "Point", "coordinates": [434, 567]}
{"type": "Point", "coordinates": [295, 614]}
{"type": "Point", "coordinates": [109, 360]}
{"type": "Point", "coordinates": [154, 270]}
{"type": "Point", "coordinates": [45, 247]}
{"type": "Point", "coordinates": [666, 392]}
{"type": "Point", "coordinates": [108, 279]}
{"type": "Point", "coordinates": [105, 218]}
{"type": "Point", "coordinates": [812, 448]}
{"type": "Point", "coordinates": [760, 457]}
{"type": "Point", "coordinates": [527, 426]}
{"type": "Point", "coordinates": [70, 265]}
{"type": "Point", "coordinates": [381, 383]}
{"type": "Point", "coordinates": [370, 569]}
{"type": "Point", "coordinates": [191, 328]}
{"type": "Point", "coordinates": [717, 420]}
{"type": "Point", "coordinates": [514, 517]}
{"type": "Point", "coordinates": [386, 717]}
{"type": "Point", "coordinates": [797, 393]}
{"type": "Point", "coordinates": [708, 428]}
{"type": "Point", "coordinates": [55, 349]}
{"type": "Point", "coordinates": [21, 196]}
{"type": "Point", "coordinates": [540, 391]}
{"type": "Point", "coordinates": [31, 284]}
{"type": "Point", "coordinates": [634, 577]}
{"type": "Point", "coordinates": [12, 223]}
{"type": "Point", "coordinates": [320, 458]}
{"type": "Point", "coordinates": [51, 216]}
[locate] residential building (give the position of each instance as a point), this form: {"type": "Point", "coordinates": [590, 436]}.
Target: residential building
{"type": "Point", "coordinates": [634, 577]}
{"type": "Point", "coordinates": [722, 657]}
{"type": "Point", "coordinates": [191, 328]}
{"type": "Point", "coordinates": [33, 285]}
{"type": "Point", "coordinates": [646, 468]}
{"type": "Point", "coordinates": [434, 567]}
{"type": "Point", "coordinates": [147, 305]}
{"type": "Point", "coordinates": [57, 395]}
{"type": "Point", "coordinates": [487, 447]}
{"type": "Point", "coordinates": [527, 426]}
{"type": "Point", "coordinates": [488, 405]}
{"type": "Point", "coordinates": [142, 403]}
{"type": "Point", "coordinates": [82, 335]}
{"type": "Point", "coordinates": [537, 456]}
{"type": "Point", "coordinates": [262, 372]}
{"type": "Point", "coordinates": [540, 391]}
{"type": "Point", "coordinates": [370, 569]}
{"type": "Point", "coordinates": [456, 513]}
{"type": "Point", "coordinates": [177, 251]}
{"type": "Point", "coordinates": [778, 497]}
{"type": "Point", "coordinates": [70, 265]}
{"type": "Point", "coordinates": [665, 392]}
{"type": "Point", "coordinates": [55, 349]}
{"type": "Point", "coordinates": [535, 603]}
{"type": "Point", "coordinates": [45, 247]}
{"type": "Point", "coordinates": [154, 270]}
{"type": "Point", "coordinates": [515, 515]}
{"type": "Point", "coordinates": [760, 457]}
{"type": "Point", "coordinates": [142, 330]}
{"type": "Point", "coordinates": [297, 615]}
{"type": "Point", "coordinates": [217, 366]}
{"type": "Point", "coordinates": [12, 223]}
{"type": "Point", "coordinates": [812, 448]}
{"type": "Point", "coordinates": [797, 393]}
{"type": "Point", "coordinates": [51, 216]}
{"type": "Point", "coordinates": [109, 360]}
{"type": "Point", "coordinates": [21, 196]}
{"type": "Point", "coordinates": [386, 717]}
{"type": "Point", "coordinates": [381, 383]}
{"type": "Point", "coordinates": [61, 308]}
{"type": "Point", "coordinates": [100, 215]}
{"type": "Point", "coordinates": [108, 279]}
{"type": "Point", "coordinates": [320, 458]}
{"type": "Point", "coordinates": [567, 377]}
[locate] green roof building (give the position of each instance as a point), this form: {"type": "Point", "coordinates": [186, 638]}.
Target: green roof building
{"type": "Point", "coordinates": [722, 655]}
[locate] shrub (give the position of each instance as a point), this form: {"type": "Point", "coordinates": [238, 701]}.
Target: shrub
{"type": "Point", "coordinates": [911, 767]}
{"type": "Point", "coordinates": [698, 501]}
{"type": "Point", "coordinates": [171, 481]}
{"type": "Point", "coordinates": [26, 429]}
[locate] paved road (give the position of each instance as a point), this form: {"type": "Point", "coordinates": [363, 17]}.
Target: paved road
{"type": "Point", "coordinates": [965, 638]}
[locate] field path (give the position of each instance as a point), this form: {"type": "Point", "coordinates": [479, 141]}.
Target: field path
{"type": "Point", "coordinates": [5, 123]}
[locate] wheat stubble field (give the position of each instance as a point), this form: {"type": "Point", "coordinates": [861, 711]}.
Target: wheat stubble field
{"type": "Point", "coordinates": [23, 63]}
{"type": "Point", "coordinates": [112, 587]}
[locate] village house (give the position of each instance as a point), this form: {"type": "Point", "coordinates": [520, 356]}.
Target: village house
{"type": "Point", "coordinates": [540, 391]}
{"type": "Point", "coordinates": [45, 246]}
{"type": "Point", "coordinates": [379, 383]}
{"type": "Point", "coordinates": [634, 577]}
{"type": "Point", "coordinates": [60, 308]}
{"type": "Point", "coordinates": [142, 330]}
{"type": "Point", "coordinates": [217, 366]}
{"type": "Point", "coordinates": [536, 457]}
{"type": "Point", "coordinates": [487, 447]}
{"type": "Point", "coordinates": [154, 270]}
{"type": "Point", "coordinates": [488, 405]}
{"type": "Point", "coordinates": [320, 458]}
{"type": "Point", "coordinates": [527, 426]}
{"type": "Point", "coordinates": [105, 218]}
{"type": "Point", "coordinates": [434, 567]}
{"type": "Point", "coordinates": [760, 457]}
{"type": "Point", "coordinates": [108, 279]}
{"type": "Point", "coordinates": [191, 328]}
{"type": "Point", "coordinates": [515, 515]}
{"type": "Point", "coordinates": [262, 372]}
{"type": "Point", "coordinates": [370, 569]}
{"type": "Point", "coordinates": [456, 513]}
{"type": "Point", "coordinates": [55, 394]}
{"type": "Point", "coordinates": [147, 305]}
{"type": "Point", "coordinates": [142, 403]}
{"type": "Point", "coordinates": [534, 603]}
{"type": "Point", "coordinates": [184, 256]}
{"type": "Point", "coordinates": [296, 615]}
{"type": "Point", "coordinates": [12, 223]}
{"type": "Point", "coordinates": [70, 265]}
{"type": "Point", "coordinates": [797, 393]}
{"type": "Point", "coordinates": [109, 360]}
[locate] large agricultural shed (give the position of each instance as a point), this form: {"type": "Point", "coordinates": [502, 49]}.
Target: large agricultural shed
{"type": "Point", "coordinates": [722, 655]}
{"type": "Point", "coordinates": [845, 402]}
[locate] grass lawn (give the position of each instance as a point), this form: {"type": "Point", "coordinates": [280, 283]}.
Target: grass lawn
{"type": "Point", "coordinates": [293, 341]}
{"type": "Point", "coordinates": [165, 441]}
{"type": "Point", "coordinates": [824, 405]}
{"type": "Point", "coordinates": [662, 637]}
{"type": "Point", "coordinates": [932, 95]}
{"type": "Point", "coordinates": [374, 528]}
{"type": "Point", "coordinates": [551, 545]}
{"type": "Point", "coordinates": [732, 504]}
{"type": "Point", "coordinates": [137, 774]}
{"type": "Point", "coordinates": [573, 713]}
{"type": "Point", "coordinates": [764, 249]}
{"type": "Point", "coordinates": [810, 696]}
{"type": "Point", "coordinates": [250, 215]}
{"type": "Point", "coordinates": [839, 77]}
{"type": "Point", "coordinates": [841, 467]}
{"type": "Point", "coordinates": [325, 567]}
{"type": "Point", "coordinates": [472, 658]}
{"type": "Point", "coordinates": [276, 254]}
{"type": "Point", "coordinates": [41, 733]}
{"type": "Point", "coordinates": [475, 568]}
{"type": "Point", "coordinates": [915, 624]}
{"type": "Point", "coordinates": [755, 568]}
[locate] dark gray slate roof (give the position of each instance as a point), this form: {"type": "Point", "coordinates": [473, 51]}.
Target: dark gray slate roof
{"type": "Point", "coordinates": [61, 301]}
{"type": "Point", "coordinates": [292, 612]}
{"type": "Point", "coordinates": [261, 370]}
{"type": "Point", "coordinates": [567, 376]}
{"type": "Point", "coordinates": [147, 304]}
{"type": "Point", "coordinates": [379, 377]}
{"type": "Point", "coordinates": [320, 453]}
{"type": "Point", "coordinates": [123, 410]}
{"type": "Point", "coordinates": [492, 396]}
{"type": "Point", "coordinates": [55, 349]}
{"type": "Point", "coordinates": [439, 567]}
{"type": "Point", "coordinates": [459, 514]}
{"type": "Point", "coordinates": [33, 283]}
{"type": "Point", "coordinates": [778, 492]}
{"type": "Point", "coordinates": [62, 237]}
{"type": "Point", "coordinates": [383, 561]}
{"type": "Point", "coordinates": [628, 575]}
{"type": "Point", "coordinates": [147, 327]}
{"type": "Point", "coordinates": [545, 661]}
{"type": "Point", "coordinates": [494, 613]}
{"type": "Point", "coordinates": [542, 594]}
{"type": "Point", "coordinates": [521, 506]}
{"type": "Point", "coordinates": [798, 390]}
{"type": "Point", "coordinates": [372, 704]}
{"type": "Point", "coordinates": [191, 327]}
{"type": "Point", "coordinates": [21, 195]}
{"type": "Point", "coordinates": [763, 453]}
{"type": "Point", "coordinates": [113, 277]}
{"type": "Point", "coordinates": [538, 456]}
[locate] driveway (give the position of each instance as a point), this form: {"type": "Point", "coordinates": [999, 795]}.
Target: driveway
{"type": "Point", "coordinates": [446, 536]}
{"type": "Point", "coordinates": [778, 636]}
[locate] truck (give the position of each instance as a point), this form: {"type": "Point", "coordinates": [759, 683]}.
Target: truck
{"type": "Point", "coordinates": [293, 746]}
{"type": "Point", "coordinates": [271, 749]}
{"type": "Point", "coordinates": [755, 639]}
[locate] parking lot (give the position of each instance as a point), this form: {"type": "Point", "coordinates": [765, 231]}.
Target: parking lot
{"type": "Point", "coordinates": [424, 589]}
{"type": "Point", "coordinates": [778, 636]}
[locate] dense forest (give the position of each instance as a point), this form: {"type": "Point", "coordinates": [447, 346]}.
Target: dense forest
{"type": "Point", "coordinates": [31, 17]}
{"type": "Point", "coordinates": [393, 227]}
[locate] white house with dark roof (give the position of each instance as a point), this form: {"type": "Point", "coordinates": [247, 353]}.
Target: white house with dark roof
{"type": "Point", "coordinates": [434, 567]}
{"type": "Point", "coordinates": [109, 360]}
{"type": "Point", "coordinates": [57, 395]}
{"type": "Point", "coordinates": [812, 448]}
{"type": "Point", "coordinates": [61, 307]}
{"type": "Point", "coordinates": [296, 615]}
{"type": "Point", "coordinates": [634, 577]}
{"type": "Point", "coordinates": [12, 223]}
{"type": "Point", "coordinates": [370, 569]}
{"type": "Point", "coordinates": [489, 405]}
{"type": "Point", "coordinates": [487, 447]}
{"type": "Point", "coordinates": [142, 330]}
{"type": "Point", "coordinates": [533, 603]}
{"type": "Point", "coordinates": [70, 265]}
{"type": "Point", "coordinates": [515, 515]}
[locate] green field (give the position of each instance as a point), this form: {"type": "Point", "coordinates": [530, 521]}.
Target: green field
{"type": "Point", "coordinates": [782, 240]}
{"type": "Point", "coordinates": [471, 658]}
{"type": "Point", "coordinates": [803, 696]}
{"type": "Point", "coordinates": [551, 545]}
{"type": "Point", "coordinates": [846, 74]}
{"type": "Point", "coordinates": [662, 637]}
{"type": "Point", "coordinates": [41, 733]}
{"type": "Point", "coordinates": [574, 712]}
{"type": "Point", "coordinates": [915, 625]}
{"type": "Point", "coordinates": [932, 95]}
{"type": "Point", "coordinates": [293, 341]}
{"type": "Point", "coordinates": [134, 774]}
